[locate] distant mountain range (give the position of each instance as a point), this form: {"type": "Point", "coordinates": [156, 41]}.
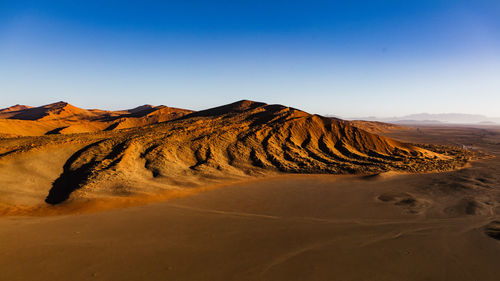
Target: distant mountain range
{"type": "Point", "coordinates": [447, 118]}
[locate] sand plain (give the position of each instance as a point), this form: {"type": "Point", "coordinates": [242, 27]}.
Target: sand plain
{"type": "Point", "coordinates": [432, 226]}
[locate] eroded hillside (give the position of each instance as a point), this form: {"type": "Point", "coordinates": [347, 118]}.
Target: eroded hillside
{"type": "Point", "coordinates": [240, 140]}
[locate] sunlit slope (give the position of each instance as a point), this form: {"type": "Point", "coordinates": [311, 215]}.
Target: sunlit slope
{"type": "Point", "coordinates": [64, 118]}
{"type": "Point", "coordinates": [237, 140]}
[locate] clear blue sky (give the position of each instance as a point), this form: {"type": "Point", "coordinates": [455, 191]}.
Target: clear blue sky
{"type": "Point", "coordinates": [349, 58]}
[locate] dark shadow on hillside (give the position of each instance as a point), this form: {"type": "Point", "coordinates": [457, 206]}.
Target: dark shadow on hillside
{"type": "Point", "coordinates": [56, 131]}
{"type": "Point", "coordinates": [70, 179]}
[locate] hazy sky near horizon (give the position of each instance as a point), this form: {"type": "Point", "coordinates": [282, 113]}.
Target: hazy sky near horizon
{"type": "Point", "coordinates": [348, 58]}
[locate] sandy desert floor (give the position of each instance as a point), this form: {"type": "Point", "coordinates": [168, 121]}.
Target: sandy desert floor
{"type": "Point", "coordinates": [436, 226]}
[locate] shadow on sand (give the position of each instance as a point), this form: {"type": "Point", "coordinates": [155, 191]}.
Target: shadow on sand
{"type": "Point", "coordinates": [70, 179]}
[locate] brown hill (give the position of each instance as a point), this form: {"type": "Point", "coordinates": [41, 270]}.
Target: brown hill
{"type": "Point", "coordinates": [147, 116]}
{"type": "Point", "coordinates": [64, 118]}
{"type": "Point", "coordinates": [16, 107]}
{"type": "Point", "coordinates": [54, 111]}
{"type": "Point", "coordinates": [232, 142]}
{"type": "Point", "coordinates": [143, 108]}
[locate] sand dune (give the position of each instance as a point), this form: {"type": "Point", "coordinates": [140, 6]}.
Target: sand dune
{"type": "Point", "coordinates": [64, 118]}
{"type": "Point", "coordinates": [238, 186]}
{"type": "Point", "coordinates": [58, 110]}
{"type": "Point", "coordinates": [16, 107]}
{"type": "Point", "coordinates": [233, 142]}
